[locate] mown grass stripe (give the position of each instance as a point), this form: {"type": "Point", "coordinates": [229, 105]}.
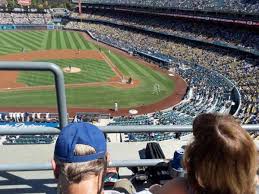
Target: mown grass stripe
{"type": "Point", "coordinates": [62, 40]}
{"type": "Point", "coordinates": [24, 44]}
{"type": "Point", "coordinates": [36, 36]}
{"type": "Point", "coordinates": [136, 68]}
{"type": "Point", "coordinates": [21, 40]}
{"type": "Point", "coordinates": [9, 41]}
{"type": "Point", "coordinates": [82, 42]}
{"type": "Point", "coordinates": [9, 49]}
{"type": "Point", "coordinates": [68, 45]}
{"type": "Point", "coordinates": [8, 52]}
{"type": "Point", "coordinates": [28, 40]}
{"type": "Point", "coordinates": [86, 45]}
{"type": "Point", "coordinates": [122, 67]}
{"type": "Point", "coordinates": [31, 35]}
{"type": "Point", "coordinates": [70, 39]}
{"type": "Point", "coordinates": [92, 45]}
{"type": "Point", "coordinates": [75, 40]}
{"type": "Point", "coordinates": [49, 40]}
{"type": "Point", "coordinates": [5, 52]}
{"type": "Point", "coordinates": [54, 40]}
{"type": "Point", "coordinates": [133, 67]}
{"type": "Point", "coordinates": [145, 72]}
{"type": "Point", "coordinates": [156, 75]}
{"type": "Point", "coordinates": [58, 43]}
{"type": "Point", "coordinates": [38, 33]}
{"type": "Point", "coordinates": [96, 69]}
{"type": "Point", "coordinates": [140, 68]}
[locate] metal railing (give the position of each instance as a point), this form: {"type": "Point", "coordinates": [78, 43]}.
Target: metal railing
{"type": "Point", "coordinates": [107, 129]}
{"type": "Point", "coordinates": [47, 166]}
{"type": "Point", "coordinates": [59, 81]}
{"type": "Point", "coordinates": [62, 109]}
{"type": "Point", "coordinates": [111, 129]}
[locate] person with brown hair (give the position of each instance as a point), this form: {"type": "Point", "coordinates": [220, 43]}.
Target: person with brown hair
{"type": "Point", "coordinates": [222, 157]}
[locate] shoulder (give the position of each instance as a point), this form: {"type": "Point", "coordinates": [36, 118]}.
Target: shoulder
{"type": "Point", "coordinates": [112, 192]}
{"type": "Point", "coordinates": [116, 192]}
{"type": "Point", "coordinates": [175, 186]}
{"type": "Point", "coordinates": [144, 192]}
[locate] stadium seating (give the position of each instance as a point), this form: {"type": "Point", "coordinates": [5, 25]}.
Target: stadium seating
{"type": "Point", "coordinates": [236, 6]}
{"type": "Point", "coordinates": [29, 139]}
{"type": "Point", "coordinates": [177, 54]}
{"type": "Point", "coordinates": [25, 18]}
{"type": "Point", "coordinates": [209, 32]}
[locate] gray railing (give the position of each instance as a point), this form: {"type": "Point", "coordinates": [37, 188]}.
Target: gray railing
{"type": "Point", "coordinates": [47, 166]}
{"type": "Point", "coordinates": [111, 129]}
{"type": "Point", "coordinates": [59, 81]}
{"type": "Point", "coordinates": [62, 109]}
{"type": "Point", "coordinates": [107, 129]}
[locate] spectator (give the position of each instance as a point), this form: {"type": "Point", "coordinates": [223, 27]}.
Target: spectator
{"type": "Point", "coordinates": [222, 157]}
{"type": "Point", "coordinates": [220, 160]}
{"type": "Point", "coordinates": [229, 6]}
{"type": "Point", "coordinates": [241, 69]}
{"type": "Point", "coordinates": [80, 160]}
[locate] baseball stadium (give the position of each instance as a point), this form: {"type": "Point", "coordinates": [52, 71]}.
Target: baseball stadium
{"type": "Point", "coordinates": [174, 83]}
{"type": "Point", "coordinates": [96, 76]}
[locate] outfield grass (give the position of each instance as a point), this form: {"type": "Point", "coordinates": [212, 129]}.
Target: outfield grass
{"type": "Point", "coordinates": [16, 41]}
{"type": "Point", "coordinates": [92, 71]}
{"type": "Point", "coordinates": [98, 97]}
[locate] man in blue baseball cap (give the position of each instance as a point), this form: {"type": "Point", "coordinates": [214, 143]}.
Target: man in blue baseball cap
{"type": "Point", "coordinates": [80, 160]}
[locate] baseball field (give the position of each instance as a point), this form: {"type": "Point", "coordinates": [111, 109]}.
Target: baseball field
{"type": "Point", "coordinates": [96, 76]}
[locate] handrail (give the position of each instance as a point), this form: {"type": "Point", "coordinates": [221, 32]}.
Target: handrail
{"type": "Point", "coordinates": [62, 109]}
{"type": "Point", "coordinates": [110, 129]}
{"type": "Point", "coordinates": [107, 129]}
{"type": "Point", "coordinates": [47, 166]}
{"type": "Point", "coordinates": [59, 81]}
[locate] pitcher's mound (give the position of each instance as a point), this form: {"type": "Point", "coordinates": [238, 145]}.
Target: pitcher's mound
{"type": "Point", "coordinates": [71, 70]}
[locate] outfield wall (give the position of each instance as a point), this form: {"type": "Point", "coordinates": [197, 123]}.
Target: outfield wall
{"type": "Point", "coordinates": [28, 27]}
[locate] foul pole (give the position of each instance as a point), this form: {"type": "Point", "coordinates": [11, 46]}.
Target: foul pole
{"type": "Point", "coordinates": [79, 7]}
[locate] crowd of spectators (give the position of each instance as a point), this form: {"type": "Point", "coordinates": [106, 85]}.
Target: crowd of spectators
{"type": "Point", "coordinates": [37, 18]}
{"type": "Point", "coordinates": [208, 92]}
{"type": "Point", "coordinates": [28, 119]}
{"type": "Point", "coordinates": [6, 18]}
{"type": "Point", "coordinates": [237, 68]}
{"type": "Point", "coordinates": [28, 139]}
{"type": "Point", "coordinates": [25, 18]}
{"type": "Point", "coordinates": [237, 6]}
{"type": "Point", "coordinates": [38, 117]}
{"type": "Point", "coordinates": [208, 32]}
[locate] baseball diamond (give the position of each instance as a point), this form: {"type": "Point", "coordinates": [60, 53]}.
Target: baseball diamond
{"type": "Point", "coordinates": [97, 84]}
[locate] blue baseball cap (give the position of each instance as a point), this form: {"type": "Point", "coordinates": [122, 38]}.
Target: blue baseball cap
{"type": "Point", "coordinates": [79, 133]}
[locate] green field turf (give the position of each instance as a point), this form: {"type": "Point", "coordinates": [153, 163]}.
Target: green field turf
{"type": "Point", "coordinates": [15, 41]}
{"type": "Point", "coordinates": [92, 71]}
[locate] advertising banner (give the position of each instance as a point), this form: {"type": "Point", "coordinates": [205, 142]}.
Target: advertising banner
{"type": "Point", "coordinates": [7, 27]}
{"type": "Point", "coordinates": [29, 124]}
{"type": "Point", "coordinates": [24, 2]}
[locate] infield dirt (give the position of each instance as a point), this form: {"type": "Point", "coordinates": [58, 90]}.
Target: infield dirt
{"type": "Point", "coordinates": [8, 80]}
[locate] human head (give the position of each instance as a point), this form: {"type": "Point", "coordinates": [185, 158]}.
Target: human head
{"type": "Point", "coordinates": [80, 159]}
{"type": "Point", "coordinates": [222, 157]}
